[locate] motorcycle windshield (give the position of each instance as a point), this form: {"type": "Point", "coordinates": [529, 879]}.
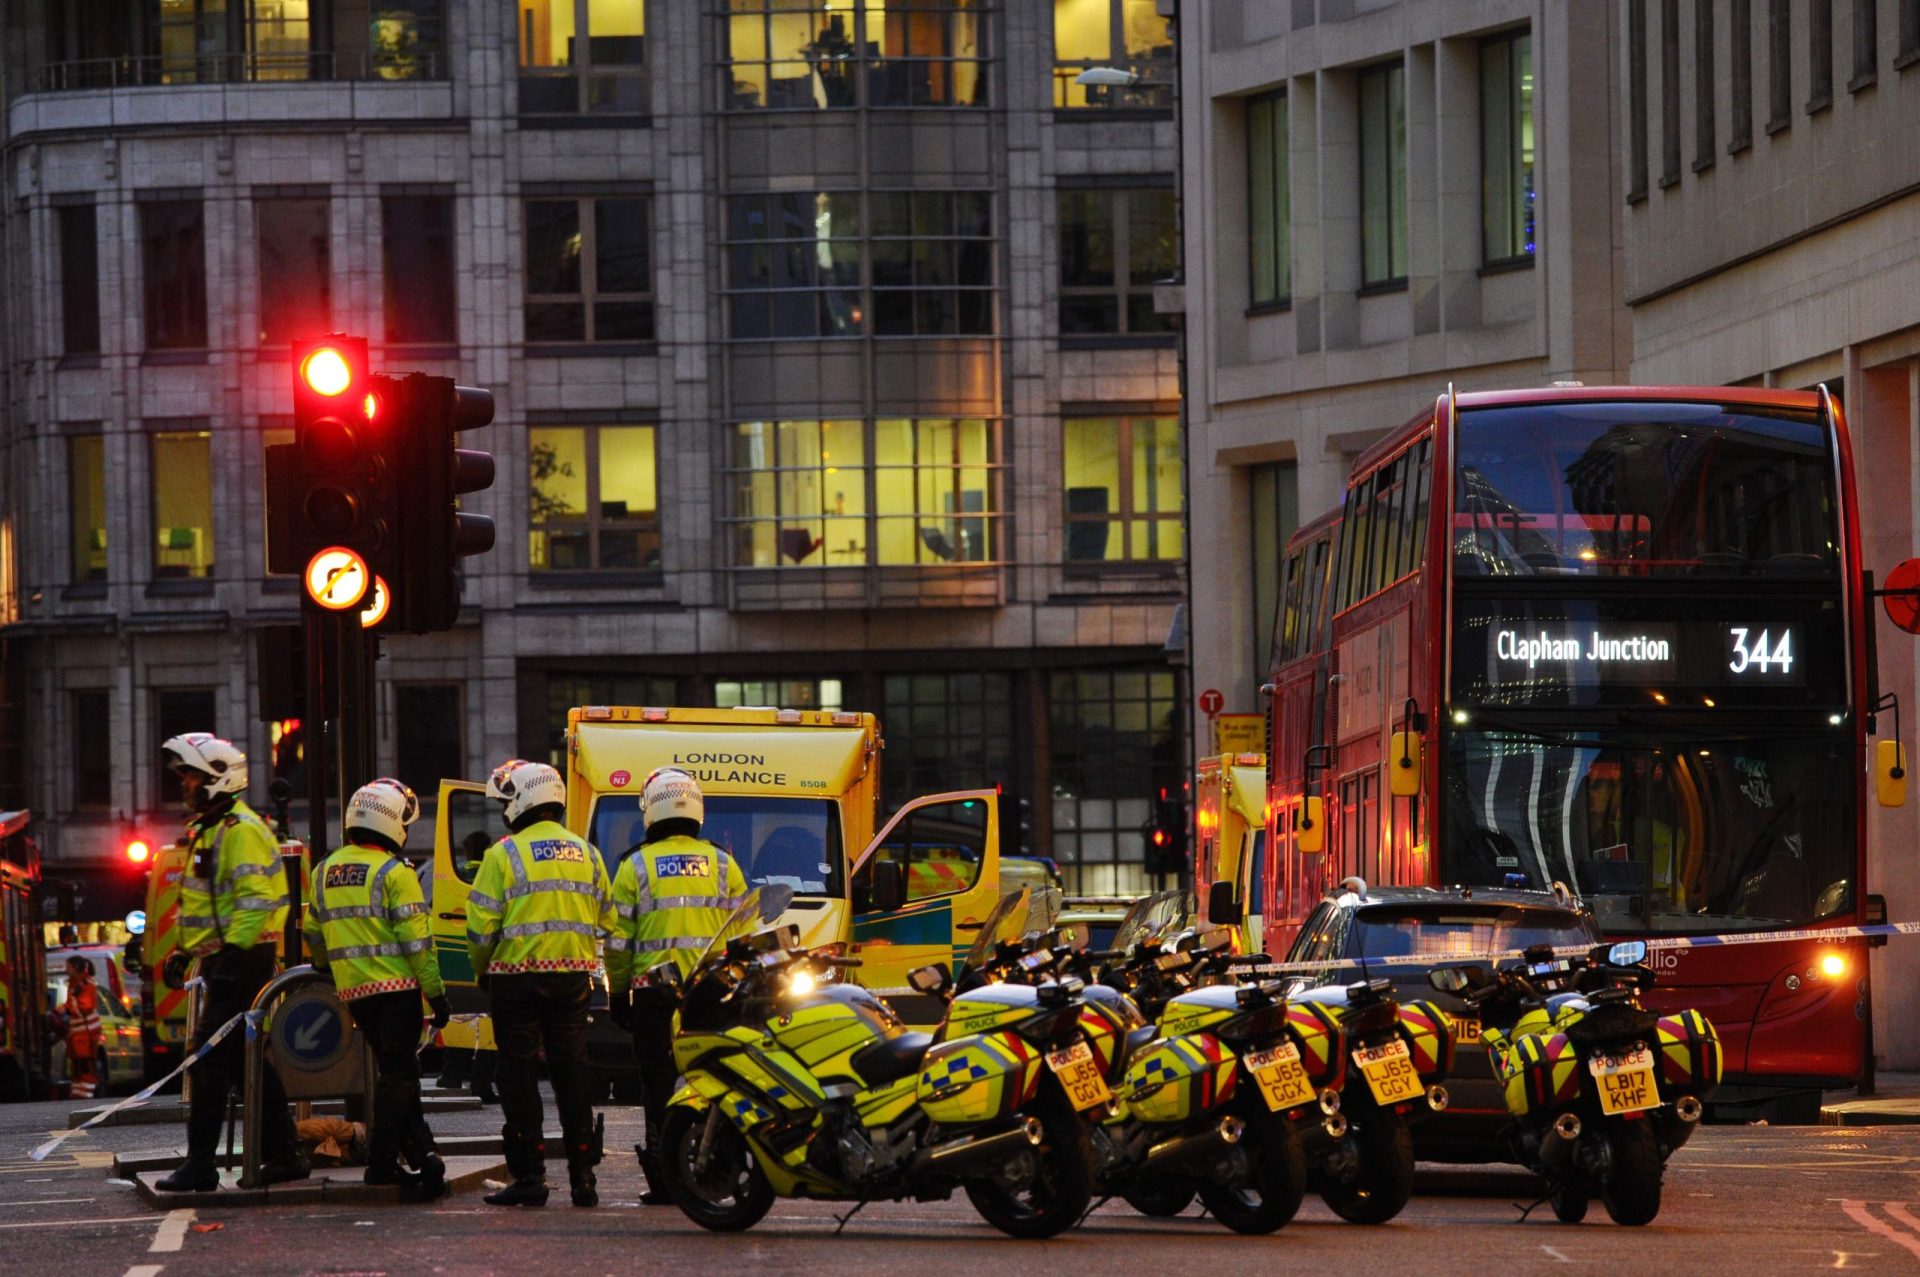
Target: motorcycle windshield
{"type": "Point", "coordinates": [1043, 909]}
{"type": "Point", "coordinates": [1007, 921]}
{"type": "Point", "coordinates": [1150, 917]}
{"type": "Point", "coordinates": [756, 909]}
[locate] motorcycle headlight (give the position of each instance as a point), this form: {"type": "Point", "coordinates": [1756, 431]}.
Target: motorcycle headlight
{"type": "Point", "coordinates": [800, 983]}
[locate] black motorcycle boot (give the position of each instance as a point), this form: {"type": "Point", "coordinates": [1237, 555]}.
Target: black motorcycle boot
{"type": "Point", "coordinates": [527, 1163]}
{"type": "Point", "coordinates": [195, 1175]}
{"type": "Point", "coordinates": [285, 1169]}
{"type": "Point", "coordinates": [433, 1178]}
{"type": "Point", "coordinates": [657, 1194]}
{"type": "Point", "coordinates": [411, 1186]}
{"type": "Point", "coordinates": [585, 1185]}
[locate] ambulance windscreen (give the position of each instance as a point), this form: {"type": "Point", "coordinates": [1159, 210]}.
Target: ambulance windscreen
{"type": "Point", "coordinates": [787, 842]}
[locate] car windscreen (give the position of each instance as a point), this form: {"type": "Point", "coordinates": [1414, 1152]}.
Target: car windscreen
{"type": "Point", "coordinates": [791, 842]}
{"type": "Point", "coordinates": [1461, 930]}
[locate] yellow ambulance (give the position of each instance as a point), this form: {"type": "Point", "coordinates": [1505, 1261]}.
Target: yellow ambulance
{"type": "Point", "coordinates": [1230, 839]}
{"type": "Point", "coordinates": [793, 797]}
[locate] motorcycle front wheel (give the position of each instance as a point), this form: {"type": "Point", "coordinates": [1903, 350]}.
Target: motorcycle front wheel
{"type": "Point", "coordinates": [1057, 1184]}
{"type": "Point", "coordinates": [1379, 1190]}
{"type": "Point", "coordinates": [1277, 1186]}
{"type": "Point", "coordinates": [1158, 1201]}
{"type": "Point", "coordinates": [1570, 1201]}
{"type": "Point", "coordinates": [1631, 1189]}
{"type": "Point", "coordinates": [731, 1194]}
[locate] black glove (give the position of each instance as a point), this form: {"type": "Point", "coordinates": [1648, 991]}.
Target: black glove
{"type": "Point", "coordinates": [442, 1011]}
{"type": "Point", "coordinates": [174, 970]}
{"type": "Point", "coordinates": [483, 980]}
{"type": "Point", "coordinates": [620, 1008]}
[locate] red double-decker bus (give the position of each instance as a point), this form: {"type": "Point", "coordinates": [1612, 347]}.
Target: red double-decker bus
{"type": "Point", "coordinates": [1615, 638]}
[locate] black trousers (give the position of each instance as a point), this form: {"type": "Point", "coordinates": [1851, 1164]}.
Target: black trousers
{"type": "Point", "coordinates": [234, 978]}
{"type": "Point", "coordinates": [653, 1050]}
{"type": "Point", "coordinates": [391, 1022]}
{"type": "Point", "coordinates": [529, 1011]}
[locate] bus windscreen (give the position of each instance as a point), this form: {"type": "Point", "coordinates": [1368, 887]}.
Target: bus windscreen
{"type": "Point", "coordinates": [1658, 833]}
{"type": "Point", "coordinates": [1643, 489]}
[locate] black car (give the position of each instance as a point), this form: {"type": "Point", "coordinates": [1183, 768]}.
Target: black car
{"type": "Point", "coordinates": [1350, 931]}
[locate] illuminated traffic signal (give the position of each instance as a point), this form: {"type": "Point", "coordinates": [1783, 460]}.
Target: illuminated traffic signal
{"type": "Point", "coordinates": [435, 534]}
{"type": "Point", "coordinates": [334, 485]}
{"type": "Point", "coordinates": [1166, 834]}
{"type": "Point", "coordinates": [139, 851]}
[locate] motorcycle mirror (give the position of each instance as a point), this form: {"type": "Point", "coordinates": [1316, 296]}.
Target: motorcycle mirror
{"type": "Point", "coordinates": [1451, 979]}
{"type": "Point", "coordinates": [1075, 935]}
{"type": "Point", "coordinates": [1217, 938]}
{"type": "Point", "coordinates": [1628, 953]}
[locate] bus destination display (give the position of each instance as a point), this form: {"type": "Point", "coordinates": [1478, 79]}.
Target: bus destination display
{"type": "Point", "coordinates": [1516, 653]}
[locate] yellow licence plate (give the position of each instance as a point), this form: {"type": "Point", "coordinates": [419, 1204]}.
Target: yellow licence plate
{"type": "Point", "coordinates": [1281, 1077]}
{"type": "Point", "coordinates": [1389, 1072]}
{"type": "Point", "coordinates": [1079, 1073]}
{"type": "Point", "coordinates": [1466, 1030]}
{"type": "Point", "coordinates": [1627, 1083]}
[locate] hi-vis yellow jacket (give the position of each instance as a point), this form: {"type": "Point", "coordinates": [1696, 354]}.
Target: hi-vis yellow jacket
{"type": "Point", "coordinates": [233, 891]}
{"type": "Point", "coordinates": [368, 924]}
{"type": "Point", "coordinates": [540, 902]}
{"type": "Point", "coordinates": [672, 897]}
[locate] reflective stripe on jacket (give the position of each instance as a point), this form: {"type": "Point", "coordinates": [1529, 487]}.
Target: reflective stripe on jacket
{"type": "Point", "coordinates": [233, 890]}
{"type": "Point", "coordinates": [672, 897]}
{"type": "Point", "coordinates": [540, 902]}
{"type": "Point", "coordinates": [369, 925]}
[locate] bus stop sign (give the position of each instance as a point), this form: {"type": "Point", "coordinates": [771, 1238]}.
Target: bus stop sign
{"type": "Point", "coordinates": [1901, 594]}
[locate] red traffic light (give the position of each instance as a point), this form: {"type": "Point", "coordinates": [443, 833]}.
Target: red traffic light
{"type": "Point", "coordinates": [138, 851]}
{"type": "Point", "coordinates": [326, 372]}
{"type": "Point", "coordinates": [1159, 837]}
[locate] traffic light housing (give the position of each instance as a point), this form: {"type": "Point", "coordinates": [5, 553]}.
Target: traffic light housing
{"type": "Point", "coordinates": [435, 534]}
{"type": "Point", "coordinates": [1166, 834]}
{"type": "Point", "coordinates": [334, 485]}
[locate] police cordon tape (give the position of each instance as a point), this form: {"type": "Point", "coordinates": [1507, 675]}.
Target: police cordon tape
{"type": "Point", "coordinates": [250, 1018]}
{"type": "Point", "coordinates": [1569, 951]}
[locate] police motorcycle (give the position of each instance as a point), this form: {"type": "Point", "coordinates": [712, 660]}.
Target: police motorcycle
{"type": "Point", "coordinates": [1353, 1066]}
{"type": "Point", "coordinates": [1601, 1090]}
{"type": "Point", "coordinates": [798, 1085]}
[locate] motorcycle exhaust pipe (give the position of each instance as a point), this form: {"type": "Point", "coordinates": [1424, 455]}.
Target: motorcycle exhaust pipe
{"type": "Point", "coordinates": [1689, 1109]}
{"type": "Point", "coordinates": [1183, 1150]}
{"type": "Point", "coordinates": [1329, 1101]}
{"type": "Point", "coordinates": [978, 1152]}
{"type": "Point", "coordinates": [1335, 1126]}
{"type": "Point", "coordinates": [1562, 1140]}
{"type": "Point", "coordinates": [1437, 1098]}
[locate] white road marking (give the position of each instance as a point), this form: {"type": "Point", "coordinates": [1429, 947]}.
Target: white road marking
{"type": "Point", "coordinates": [81, 1223]}
{"type": "Point", "coordinates": [173, 1231]}
{"type": "Point", "coordinates": [1556, 1254]}
{"type": "Point", "coordinates": [1840, 1257]}
{"type": "Point", "coordinates": [1859, 1214]}
{"type": "Point", "coordinates": [143, 1270]}
{"type": "Point", "coordinates": [48, 1201]}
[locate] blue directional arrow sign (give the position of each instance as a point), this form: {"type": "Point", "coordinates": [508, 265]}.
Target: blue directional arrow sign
{"type": "Point", "coordinates": [310, 1031]}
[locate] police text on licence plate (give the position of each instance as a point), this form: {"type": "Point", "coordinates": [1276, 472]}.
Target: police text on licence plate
{"type": "Point", "coordinates": [1281, 1077]}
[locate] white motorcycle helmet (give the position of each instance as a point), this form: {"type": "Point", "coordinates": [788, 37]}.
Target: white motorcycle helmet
{"type": "Point", "coordinates": [219, 761]}
{"type": "Point", "coordinates": [523, 786]}
{"type": "Point", "coordinates": [386, 807]}
{"type": "Point", "coordinates": [672, 794]}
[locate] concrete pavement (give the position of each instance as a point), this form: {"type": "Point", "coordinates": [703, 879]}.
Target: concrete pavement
{"type": "Point", "coordinates": [1774, 1200]}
